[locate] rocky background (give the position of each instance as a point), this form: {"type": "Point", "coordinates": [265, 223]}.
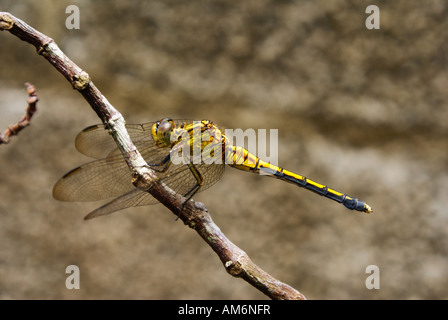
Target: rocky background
{"type": "Point", "coordinates": [363, 111]}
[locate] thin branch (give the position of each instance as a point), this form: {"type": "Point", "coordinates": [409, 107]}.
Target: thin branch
{"type": "Point", "coordinates": [193, 214]}
{"type": "Point", "coordinates": [24, 121]}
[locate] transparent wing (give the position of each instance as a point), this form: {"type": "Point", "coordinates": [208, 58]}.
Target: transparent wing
{"type": "Point", "coordinates": [96, 142]}
{"type": "Point", "coordinates": [132, 198]}
{"type": "Point", "coordinates": [96, 180]}
{"type": "Point", "coordinates": [181, 180]}
{"type": "Point", "coordinates": [110, 177]}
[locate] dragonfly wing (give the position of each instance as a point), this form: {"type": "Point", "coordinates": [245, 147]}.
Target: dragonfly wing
{"type": "Point", "coordinates": [181, 179]}
{"type": "Point", "coordinates": [96, 180]}
{"type": "Point", "coordinates": [108, 176]}
{"type": "Point", "coordinates": [96, 142]}
{"type": "Point", "coordinates": [132, 198]}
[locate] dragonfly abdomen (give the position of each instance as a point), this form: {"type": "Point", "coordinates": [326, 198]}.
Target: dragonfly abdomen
{"type": "Point", "coordinates": [349, 202]}
{"type": "Point", "coordinates": [242, 159]}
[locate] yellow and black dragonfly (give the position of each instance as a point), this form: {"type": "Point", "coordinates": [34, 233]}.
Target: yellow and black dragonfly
{"type": "Point", "coordinates": [188, 156]}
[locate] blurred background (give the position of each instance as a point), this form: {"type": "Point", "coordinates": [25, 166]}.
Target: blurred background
{"type": "Point", "coordinates": [363, 111]}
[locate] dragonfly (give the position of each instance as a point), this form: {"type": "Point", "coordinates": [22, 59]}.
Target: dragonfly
{"type": "Point", "coordinates": [187, 156]}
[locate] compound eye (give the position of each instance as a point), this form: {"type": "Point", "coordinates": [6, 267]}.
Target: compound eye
{"type": "Point", "coordinates": [165, 125]}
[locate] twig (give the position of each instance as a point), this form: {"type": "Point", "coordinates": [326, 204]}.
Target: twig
{"type": "Point", "coordinates": [193, 214]}
{"type": "Point", "coordinates": [24, 121]}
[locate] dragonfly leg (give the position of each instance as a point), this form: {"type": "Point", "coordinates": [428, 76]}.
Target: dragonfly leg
{"type": "Point", "coordinates": [199, 180]}
{"type": "Point", "coordinates": [165, 164]}
{"type": "Point", "coordinates": [197, 175]}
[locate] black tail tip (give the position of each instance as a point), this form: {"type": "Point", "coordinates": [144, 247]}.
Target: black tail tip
{"type": "Point", "coordinates": [355, 204]}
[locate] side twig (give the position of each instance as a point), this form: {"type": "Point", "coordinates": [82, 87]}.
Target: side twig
{"type": "Point", "coordinates": [193, 214]}
{"type": "Point", "coordinates": [24, 121]}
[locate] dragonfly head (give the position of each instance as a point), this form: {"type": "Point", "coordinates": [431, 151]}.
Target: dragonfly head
{"type": "Point", "coordinates": [161, 132]}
